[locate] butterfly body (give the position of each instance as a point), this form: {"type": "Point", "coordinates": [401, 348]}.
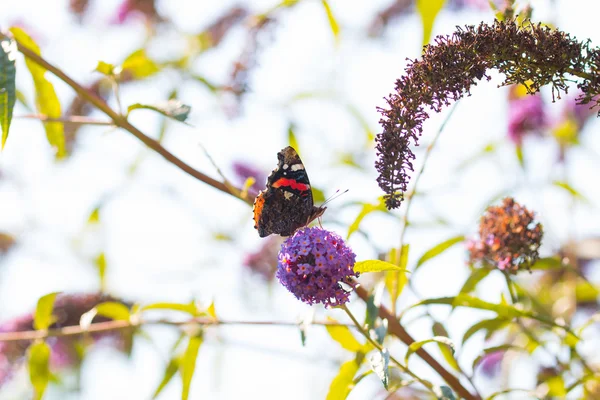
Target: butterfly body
{"type": "Point", "coordinates": [287, 202]}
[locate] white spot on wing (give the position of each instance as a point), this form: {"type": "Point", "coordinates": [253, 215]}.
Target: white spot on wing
{"type": "Point", "coordinates": [285, 166]}
{"type": "Point", "coordinates": [288, 195]}
{"type": "Point", "coordinates": [296, 167]}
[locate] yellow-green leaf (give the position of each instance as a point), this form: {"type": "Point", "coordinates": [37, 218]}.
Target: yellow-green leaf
{"type": "Point", "coordinates": [105, 68]}
{"type": "Point", "coordinates": [94, 217]}
{"type": "Point", "coordinates": [211, 310]}
{"type": "Point", "coordinates": [376, 266]}
{"type": "Point", "coordinates": [170, 371]}
{"type": "Point", "coordinates": [188, 364]}
{"type": "Point", "coordinates": [189, 308]}
{"type": "Point", "coordinates": [39, 367]}
{"type": "Point", "coordinates": [343, 336]}
{"type": "Point", "coordinates": [448, 352]}
{"type": "Point", "coordinates": [366, 210]}
{"type": "Point", "coordinates": [43, 312]}
{"type": "Point", "coordinates": [8, 90]}
{"type": "Point", "coordinates": [417, 345]}
{"type": "Point", "coordinates": [395, 281]}
{"type": "Point", "coordinates": [113, 310]}
{"type": "Point", "coordinates": [439, 249]}
{"type": "Point", "coordinates": [100, 263]}
{"type": "Point", "coordinates": [343, 383]}
{"type": "Point", "coordinates": [139, 65]}
{"type": "Point", "coordinates": [333, 24]}
{"type": "Point", "coordinates": [292, 140]}
{"type": "Point", "coordinates": [428, 10]}
{"type": "Point", "coordinates": [45, 96]}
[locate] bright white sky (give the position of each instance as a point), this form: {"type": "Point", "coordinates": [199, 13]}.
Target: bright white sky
{"type": "Point", "coordinates": [157, 227]}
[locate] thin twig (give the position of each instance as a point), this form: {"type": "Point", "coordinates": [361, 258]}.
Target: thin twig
{"type": "Point", "coordinates": [113, 325]}
{"type": "Point", "coordinates": [74, 119]}
{"type": "Point", "coordinates": [122, 122]}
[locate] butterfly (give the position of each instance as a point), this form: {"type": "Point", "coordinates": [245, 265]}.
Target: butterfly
{"type": "Point", "coordinates": [287, 202]}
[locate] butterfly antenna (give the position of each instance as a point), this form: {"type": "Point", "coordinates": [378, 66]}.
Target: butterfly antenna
{"type": "Point", "coordinates": [334, 196]}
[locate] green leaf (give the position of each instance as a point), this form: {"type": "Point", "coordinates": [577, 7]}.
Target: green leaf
{"type": "Point", "coordinates": [113, 310]}
{"type": "Point", "coordinates": [428, 10]}
{"type": "Point", "coordinates": [333, 24]}
{"type": "Point", "coordinates": [100, 263]}
{"type": "Point", "coordinates": [417, 345]}
{"type": "Point", "coordinates": [490, 325]}
{"type": "Point", "coordinates": [189, 308]}
{"type": "Point", "coordinates": [43, 312]}
{"type": "Point", "coordinates": [380, 361]}
{"type": "Point", "coordinates": [343, 336]}
{"type": "Point", "coordinates": [366, 210]}
{"type": "Point", "coordinates": [548, 263]}
{"type": "Point", "coordinates": [170, 371]}
{"type": "Point", "coordinates": [448, 352]}
{"type": "Point", "coordinates": [477, 275]}
{"type": "Point", "coordinates": [39, 367]}
{"type": "Point", "coordinates": [105, 68]}
{"type": "Point", "coordinates": [444, 393]}
{"type": "Point", "coordinates": [45, 96]}
{"type": "Point", "coordinates": [94, 217]}
{"type": "Point", "coordinates": [171, 108]}
{"type": "Point", "coordinates": [395, 281]}
{"type": "Point", "coordinates": [376, 266]}
{"type": "Point", "coordinates": [519, 154]}
{"type": "Point", "coordinates": [574, 193]}
{"type": "Point", "coordinates": [292, 140]}
{"type": "Point", "coordinates": [8, 90]}
{"type": "Point", "coordinates": [373, 304]}
{"type": "Point", "coordinates": [592, 320]}
{"type": "Point", "coordinates": [343, 383]}
{"type": "Point", "coordinates": [439, 249]}
{"type": "Point", "coordinates": [188, 364]}
{"type": "Point", "coordinates": [139, 65]}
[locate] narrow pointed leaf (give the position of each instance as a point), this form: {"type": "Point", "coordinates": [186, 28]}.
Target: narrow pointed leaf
{"type": "Point", "coordinates": [448, 352]}
{"type": "Point", "coordinates": [343, 383]}
{"type": "Point", "coordinates": [333, 24]}
{"type": "Point", "coordinates": [171, 108]}
{"type": "Point", "coordinates": [417, 345]}
{"type": "Point", "coordinates": [376, 266]}
{"type": "Point", "coordinates": [343, 336]}
{"type": "Point", "coordinates": [8, 90]}
{"type": "Point", "coordinates": [188, 364]}
{"type": "Point", "coordinates": [45, 96]}
{"type": "Point", "coordinates": [366, 210]}
{"type": "Point", "coordinates": [43, 312]}
{"type": "Point", "coordinates": [477, 275]}
{"type": "Point", "coordinates": [489, 325]}
{"type": "Point", "coordinates": [428, 10]}
{"type": "Point", "coordinates": [444, 393]}
{"type": "Point", "coordinates": [395, 281]}
{"type": "Point", "coordinates": [100, 262]}
{"type": "Point", "coordinates": [39, 367]}
{"type": "Point", "coordinates": [439, 249]}
{"type": "Point", "coordinates": [170, 371]}
{"type": "Point", "coordinates": [189, 308]}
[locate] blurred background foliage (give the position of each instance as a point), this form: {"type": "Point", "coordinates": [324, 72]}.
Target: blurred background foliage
{"type": "Point", "coordinates": [99, 234]}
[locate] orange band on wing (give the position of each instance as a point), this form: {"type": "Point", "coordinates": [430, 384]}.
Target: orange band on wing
{"type": "Point", "coordinates": [290, 183]}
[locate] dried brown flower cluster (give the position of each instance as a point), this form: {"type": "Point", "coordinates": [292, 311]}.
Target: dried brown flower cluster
{"type": "Point", "coordinates": [509, 238]}
{"type": "Point", "coordinates": [529, 54]}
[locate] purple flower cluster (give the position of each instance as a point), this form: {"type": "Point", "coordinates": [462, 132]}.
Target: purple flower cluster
{"type": "Point", "coordinates": [526, 114]}
{"type": "Point", "coordinates": [312, 263]}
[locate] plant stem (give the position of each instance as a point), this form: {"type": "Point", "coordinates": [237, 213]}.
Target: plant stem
{"type": "Point", "coordinates": [404, 368]}
{"type": "Point", "coordinates": [397, 330]}
{"type": "Point", "coordinates": [74, 119]}
{"type": "Point", "coordinates": [114, 325]}
{"type": "Point", "coordinates": [122, 122]}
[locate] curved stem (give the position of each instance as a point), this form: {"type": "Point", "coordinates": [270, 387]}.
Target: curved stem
{"type": "Point", "coordinates": [404, 368]}
{"type": "Point", "coordinates": [122, 122]}
{"type": "Point", "coordinates": [397, 330]}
